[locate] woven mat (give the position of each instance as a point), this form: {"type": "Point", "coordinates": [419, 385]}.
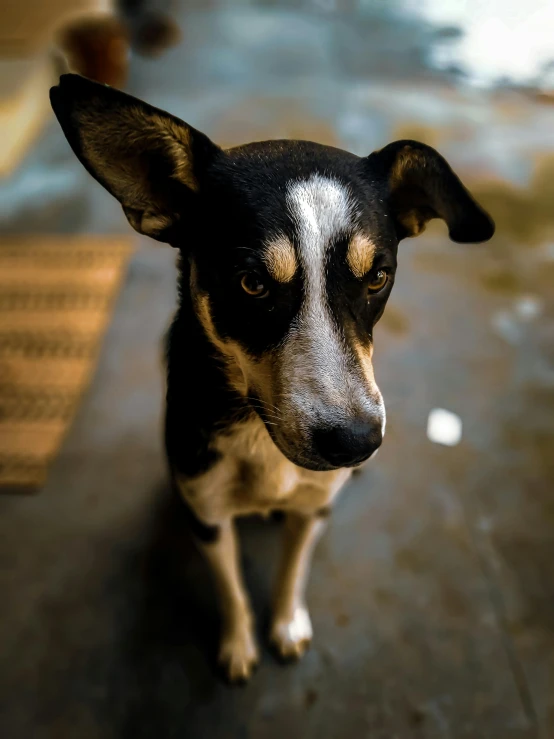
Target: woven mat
{"type": "Point", "coordinates": [56, 298]}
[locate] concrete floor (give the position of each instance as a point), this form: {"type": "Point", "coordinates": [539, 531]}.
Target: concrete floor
{"type": "Point", "coordinates": [431, 594]}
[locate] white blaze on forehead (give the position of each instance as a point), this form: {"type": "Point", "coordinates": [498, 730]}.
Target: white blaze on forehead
{"type": "Point", "coordinates": [317, 358]}
{"type": "Point", "coordinates": [321, 369]}
{"type": "Point", "coordinates": [322, 211]}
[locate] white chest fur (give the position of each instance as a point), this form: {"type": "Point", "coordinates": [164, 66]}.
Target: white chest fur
{"type": "Point", "coordinates": [253, 476]}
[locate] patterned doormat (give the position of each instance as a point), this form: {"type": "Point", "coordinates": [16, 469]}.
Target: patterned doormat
{"type": "Point", "coordinates": [56, 298]}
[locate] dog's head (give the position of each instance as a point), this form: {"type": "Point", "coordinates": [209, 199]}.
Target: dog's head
{"type": "Point", "coordinates": [292, 249]}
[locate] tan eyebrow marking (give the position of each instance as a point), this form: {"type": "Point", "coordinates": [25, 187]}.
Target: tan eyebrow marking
{"type": "Point", "coordinates": [359, 255]}
{"type": "Point", "coordinates": [280, 259]}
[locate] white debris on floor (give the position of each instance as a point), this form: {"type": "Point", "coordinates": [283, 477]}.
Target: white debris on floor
{"type": "Point", "coordinates": [444, 427]}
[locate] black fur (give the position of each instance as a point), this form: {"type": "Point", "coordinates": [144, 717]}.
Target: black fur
{"type": "Point", "coordinates": [199, 400]}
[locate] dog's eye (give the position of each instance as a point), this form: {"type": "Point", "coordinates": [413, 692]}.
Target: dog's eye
{"type": "Point", "coordinates": [378, 281]}
{"type": "Point", "coordinates": [252, 284]}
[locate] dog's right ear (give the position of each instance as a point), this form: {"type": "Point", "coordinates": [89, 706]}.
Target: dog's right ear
{"type": "Point", "coordinates": [420, 185]}
{"type": "Point", "coordinates": [149, 160]}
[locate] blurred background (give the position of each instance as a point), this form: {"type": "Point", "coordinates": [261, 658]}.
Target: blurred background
{"type": "Point", "coordinates": [432, 592]}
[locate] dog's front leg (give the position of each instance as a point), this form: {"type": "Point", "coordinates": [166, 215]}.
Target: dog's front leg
{"type": "Point", "coordinates": [238, 653]}
{"type": "Point", "coordinates": [291, 627]}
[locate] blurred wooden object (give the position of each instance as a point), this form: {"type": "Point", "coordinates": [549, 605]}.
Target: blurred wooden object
{"type": "Point", "coordinates": [28, 65]}
{"type": "Point", "coordinates": [96, 47]}
{"type": "Point", "coordinates": [40, 39]}
{"type": "Point", "coordinates": [23, 106]}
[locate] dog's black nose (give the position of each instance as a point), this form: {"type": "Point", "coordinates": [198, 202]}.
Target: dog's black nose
{"type": "Point", "coordinates": [348, 445]}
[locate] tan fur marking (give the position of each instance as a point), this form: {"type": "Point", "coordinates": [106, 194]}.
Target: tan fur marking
{"type": "Point", "coordinates": [413, 218]}
{"type": "Point", "coordinates": [404, 159]}
{"type": "Point", "coordinates": [365, 355]}
{"type": "Point", "coordinates": [360, 254]}
{"type": "Point", "coordinates": [243, 372]}
{"type": "Point", "coordinates": [280, 259]}
{"type": "Point", "coordinates": [229, 349]}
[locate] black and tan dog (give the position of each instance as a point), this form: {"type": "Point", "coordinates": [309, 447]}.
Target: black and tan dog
{"type": "Point", "coordinates": [287, 259]}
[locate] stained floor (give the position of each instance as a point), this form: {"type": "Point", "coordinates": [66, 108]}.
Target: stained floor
{"type": "Point", "coordinates": [432, 592]}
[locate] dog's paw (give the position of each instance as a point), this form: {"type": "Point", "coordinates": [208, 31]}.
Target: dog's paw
{"type": "Point", "coordinates": [238, 655]}
{"type": "Point", "coordinates": [291, 636]}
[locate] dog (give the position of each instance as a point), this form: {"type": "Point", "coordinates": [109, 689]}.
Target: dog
{"type": "Point", "coordinates": [287, 256]}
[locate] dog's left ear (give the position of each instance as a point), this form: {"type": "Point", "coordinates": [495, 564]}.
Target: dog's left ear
{"type": "Point", "coordinates": [149, 160]}
{"type": "Point", "coordinates": [420, 185]}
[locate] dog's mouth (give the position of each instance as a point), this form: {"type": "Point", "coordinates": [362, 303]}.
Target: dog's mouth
{"type": "Point", "coordinates": [293, 451]}
{"type": "Point", "coordinates": [324, 448]}
{"type": "Point", "coordinates": [312, 463]}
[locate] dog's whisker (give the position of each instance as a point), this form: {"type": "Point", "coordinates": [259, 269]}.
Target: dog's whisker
{"type": "Point", "coordinates": [267, 414]}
